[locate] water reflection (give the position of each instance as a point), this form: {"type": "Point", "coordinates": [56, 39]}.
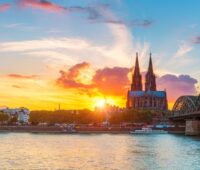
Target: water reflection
{"type": "Point", "coordinates": [35, 151]}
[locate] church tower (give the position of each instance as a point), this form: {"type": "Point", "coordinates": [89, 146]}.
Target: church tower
{"type": "Point", "coordinates": [136, 79]}
{"type": "Point", "coordinates": [150, 83]}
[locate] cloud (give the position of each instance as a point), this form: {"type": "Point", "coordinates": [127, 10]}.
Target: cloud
{"type": "Point", "coordinates": [20, 26]}
{"type": "Point", "coordinates": [102, 14]}
{"type": "Point", "coordinates": [92, 12]}
{"type": "Point", "coordinates": [135, 23]}
{"type": "Point", "coordinates": [42, 44]}
{"type": "Point", "coordinates": [184, 48]}
{"type": "Point", "coordinates": [177, 86]}
{"type": "Point", "coordinates": [68, 79]}
{"type": "Point", "coordinates": [17, 86]}
{"type": "Point", "coordinates": [65, 50]}
{"type": "Point", "coordinates": [75, 70]}
{"type": "Point", "coordinates": [146, 23]}
{"type": "Point", "coordinates": [196, 40]}
{"type": "Point", "coordinates": [95, 14]}
{"type": "Point", "coordinates": [4, 7]}
{"type": "Point", "coordinates": [53, 7]}
{"type": "Point", "coordinates": [118, 49]}
{"type": "Point", "coordinates": [115, 82]}
{"type": "Point", "coordinates": [20, 76]}
{"type": "Point", "coordinates": [107, 81]}
{"type": "Point", "coordinates": [41, 4]}
{"type": "Point", "coordinates": [14, 25]}
{"type": "Point", "coordinates": [112, 81]}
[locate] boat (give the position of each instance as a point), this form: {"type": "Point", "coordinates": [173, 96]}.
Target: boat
{"type": "Point", "coordinates": [148, 131]}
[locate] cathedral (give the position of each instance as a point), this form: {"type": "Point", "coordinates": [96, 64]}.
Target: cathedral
{"type": "Point", "coordinates": [149, 98]}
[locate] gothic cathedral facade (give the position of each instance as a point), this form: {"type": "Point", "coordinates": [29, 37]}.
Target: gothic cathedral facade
{"type": "Point", "coordinates": [149, 98]}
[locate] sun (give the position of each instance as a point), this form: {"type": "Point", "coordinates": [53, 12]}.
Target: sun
{"type": "Point", "coordinates": [100, 103]}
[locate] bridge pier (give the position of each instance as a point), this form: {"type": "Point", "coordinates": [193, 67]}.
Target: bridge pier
{"type": "Point", "coordinates": [192, 127]}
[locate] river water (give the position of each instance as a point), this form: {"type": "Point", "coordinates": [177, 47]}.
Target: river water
{"type": "Point", "coordinates": [99, 152]}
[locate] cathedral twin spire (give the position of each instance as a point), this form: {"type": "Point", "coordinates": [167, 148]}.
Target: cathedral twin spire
{"type": "Point", "coordinates": [150, 81]}
{"type": "Point", "coordinates": [137, 78]}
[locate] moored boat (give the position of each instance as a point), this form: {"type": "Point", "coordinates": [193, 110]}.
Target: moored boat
{"type": "Point", "coordinates": [148, 131]}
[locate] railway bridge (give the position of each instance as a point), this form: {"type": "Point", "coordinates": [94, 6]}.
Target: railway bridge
{"type": "Point", "coordinates": [187, 109]}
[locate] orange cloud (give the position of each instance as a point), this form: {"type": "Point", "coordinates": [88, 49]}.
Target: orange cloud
{"type": "Point", "coordinates": [108, 81]}
{"type": "Point", "coordinates": [4, 7]}
{"type": "Point", "coordinates": [68, 78]}
{"type": "Point", "coordinates": [112, 81]}
{"type": "Point", "coordinates": [41, 4]}
{"type": "Point", "coordinates": [19, 76]}
{"type": "Point", "coordinates": [115, 82]}
{"type": "Point", "coordinates": [17, 86]}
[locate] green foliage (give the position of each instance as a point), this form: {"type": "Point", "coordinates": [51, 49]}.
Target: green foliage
{"type": "Point", "coordinates": [3, 117]}
{"type": "Point", "coordinates": [13, 119]}
{"type": "Point", "coordinates": [63, 116]}
{"type": "Point", "coordinates": [87, 116]}
{"type": "Point", "coordinates": [132, 116]}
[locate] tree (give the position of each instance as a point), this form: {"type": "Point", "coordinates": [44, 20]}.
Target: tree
{"type": "Point", "coordinates": [132, 116]}
{"type": "Point", "coordinates": [13, 119]}
{"type": "Point", "coordinates": [3, 117]}
{"type": "Point", "coordinates": [64, 116]}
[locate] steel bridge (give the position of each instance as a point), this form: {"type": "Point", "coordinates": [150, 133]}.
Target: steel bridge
{"type": "Point", "coordinates": [186, 107]}
{"type": "Point", "coordinates": [187, 110]}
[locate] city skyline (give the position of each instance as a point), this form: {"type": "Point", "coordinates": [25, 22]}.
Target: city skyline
{"type": "Point", "coordinates": [48, 60]}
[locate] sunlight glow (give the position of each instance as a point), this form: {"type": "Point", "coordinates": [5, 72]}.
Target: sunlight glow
{"type": "Point", "coordinates": [100, 102]}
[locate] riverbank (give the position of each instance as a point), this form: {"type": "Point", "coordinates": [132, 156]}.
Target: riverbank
{"type": "Point", "coordinates": [55, 129]}
{"type": "Point", "coordinates": [82, 130]}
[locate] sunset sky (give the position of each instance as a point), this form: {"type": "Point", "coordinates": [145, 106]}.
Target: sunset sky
{"type": "Point", "coordinates": [77, 53]}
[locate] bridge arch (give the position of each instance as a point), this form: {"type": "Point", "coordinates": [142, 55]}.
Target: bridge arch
{"type": "Point", "coordinates": [185, 105]}
{"type": "Point", "coordinates": [198, 103]}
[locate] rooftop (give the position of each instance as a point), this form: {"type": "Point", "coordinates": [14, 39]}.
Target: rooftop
{"type": "Point", "coordinates": [147, 93]}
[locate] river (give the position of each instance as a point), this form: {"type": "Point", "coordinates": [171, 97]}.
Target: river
{"type": "Point", "coordinates": [99, 152]}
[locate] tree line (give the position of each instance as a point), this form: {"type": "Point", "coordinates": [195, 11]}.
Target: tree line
{"type": "Point", "coordinates": [132, 116]}
{"type": "Point", "coordinates": [5, 118]}
{"type": "Point", "coordinates": [87, 116]}
{"type": "Point", "coordinates": [84, 117]}
{"type": "Point", "coordinates": [64, 116]}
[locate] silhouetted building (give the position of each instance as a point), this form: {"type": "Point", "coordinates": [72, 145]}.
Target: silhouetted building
{"type": "Point", "coordinates": [150, 98]}
{"type": "Point", "coordinates": [137, 78]}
